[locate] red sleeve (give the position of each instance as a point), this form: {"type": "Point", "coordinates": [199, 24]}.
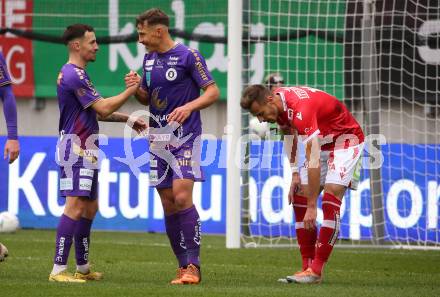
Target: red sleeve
{"type": "Point", "coordinates": [306, 122]}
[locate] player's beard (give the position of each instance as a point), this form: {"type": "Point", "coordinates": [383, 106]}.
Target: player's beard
{"type": "Point", "coordinates": [92, 57]}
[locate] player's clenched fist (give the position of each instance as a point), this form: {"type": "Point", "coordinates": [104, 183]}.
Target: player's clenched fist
{"type": "Point", "coordinates": [180, 114]}
{"type": "Point", "coordinates": [132, 79]}
{"type": "Point", "coordinates": [138, 124]}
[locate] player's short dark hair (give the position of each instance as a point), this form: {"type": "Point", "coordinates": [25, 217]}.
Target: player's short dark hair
{"type": "Point", "coordinates": [153, 16]}
{"type": "Point", "coordinates": [253, 93]}
{"type": "Point", "coordinates": [76, 31]}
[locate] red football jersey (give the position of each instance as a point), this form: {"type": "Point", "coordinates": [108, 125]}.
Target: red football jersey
{"type": "Point", "coordinates": [314, 112]}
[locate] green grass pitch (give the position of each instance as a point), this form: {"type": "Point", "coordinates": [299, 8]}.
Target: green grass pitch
{"type": "Point", "coordinates": [140, 264]}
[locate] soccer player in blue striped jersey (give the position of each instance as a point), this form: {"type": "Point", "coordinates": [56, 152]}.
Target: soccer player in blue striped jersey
{"type": "Point", "coordinates": [173, 76]}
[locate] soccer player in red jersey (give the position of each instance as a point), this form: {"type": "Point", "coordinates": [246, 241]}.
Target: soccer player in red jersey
{"type": "Point", "coordinates": [334, 142]}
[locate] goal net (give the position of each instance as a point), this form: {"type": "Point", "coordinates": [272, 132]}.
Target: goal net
{"type": "Point", "coordinates": [382, 59]}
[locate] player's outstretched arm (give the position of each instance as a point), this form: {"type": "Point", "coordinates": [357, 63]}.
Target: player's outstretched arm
{"type": "Point", "coordinates": [142, 97]}
{"type": "Point", "coordinates": [137, 124]}
{"type": "Point", "coordinates": [209, 96]}
{"type": "Point", "coordinates": [106, 107]}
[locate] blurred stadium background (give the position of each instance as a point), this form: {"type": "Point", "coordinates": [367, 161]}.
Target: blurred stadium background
{"type": "Point", "coordinates": [381, 57]}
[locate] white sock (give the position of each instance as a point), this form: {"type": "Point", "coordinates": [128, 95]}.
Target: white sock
{"type": "Point", "coordinates": [84, 269]}
{"type": "Point", "coordinates": [58, 269]}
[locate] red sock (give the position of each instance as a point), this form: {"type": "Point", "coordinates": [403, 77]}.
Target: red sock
{"type": "Point", "coordinates": [306, 239]}
{"type": "Point", "coordinates": [328, 234]}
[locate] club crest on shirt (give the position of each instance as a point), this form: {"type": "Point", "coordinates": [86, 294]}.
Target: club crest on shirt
{"type": "Point", "coordinates": [171, 74]}
{"type": "Point", "coordinates": [156, 102]}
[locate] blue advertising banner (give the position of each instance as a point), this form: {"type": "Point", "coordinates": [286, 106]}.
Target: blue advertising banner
{"type": "Point", "coordinates": [411, 187]}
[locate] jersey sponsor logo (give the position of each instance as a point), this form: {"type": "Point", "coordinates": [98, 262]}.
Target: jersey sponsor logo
{"type": "Point", "coordinates": [159, 138]}
{"type": "Point", "coordinates": [153, 163]}
{"type": "Point", "coordinates": [159, 63]}
{"type": "Point", "coordinates": [161, 118]}
{"type": "Point", "coordinates": [199, 65]}
{"type": "Point", "coordinates": [300, 93]}
{"type": "Point", "coordinates": [201, 71]}
{"type": "Point", "coordinates": [66, 184]}
{"type": "Point", "coordinates": [156, 102]}
{"type": "Point", "coordinates": [299, 116]}
{"type": "Point", "coordinates": [149, 62]}
{"type": "Point", "coordinates": [85, 184]}
{"type": "Point", "coordinates": [86, 172]}
{"type": "Point", "coordinates": [91, 87]}
{"type": "Point", "coordinates": [187, 154]}
{"type": "Point", "coordinates": [90, 155]}
{"type": "Point", "coordinates": [173, 61]}
{"type": "Point", "coordinates": [171, 74]}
